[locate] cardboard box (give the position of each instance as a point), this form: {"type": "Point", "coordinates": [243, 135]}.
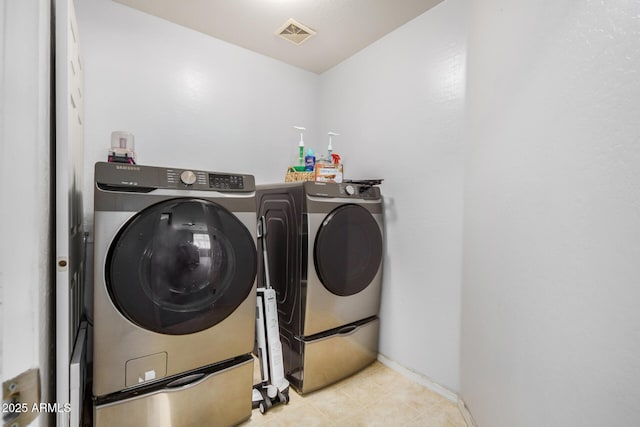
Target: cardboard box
{"type": "Point", "coordinates": [328, 172]}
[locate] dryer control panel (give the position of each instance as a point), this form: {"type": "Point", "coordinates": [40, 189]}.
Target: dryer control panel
{"type": "Point", "coordinates": [342, 190]}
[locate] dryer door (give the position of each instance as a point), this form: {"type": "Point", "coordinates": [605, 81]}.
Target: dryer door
{"type": "Point", "coordinates": [348, 250]}
{"type": "Point", "coordinates": [181, 266]}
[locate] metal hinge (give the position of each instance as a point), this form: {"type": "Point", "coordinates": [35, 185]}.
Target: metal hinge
{"type": "Point", "coordinates": [19, 395]}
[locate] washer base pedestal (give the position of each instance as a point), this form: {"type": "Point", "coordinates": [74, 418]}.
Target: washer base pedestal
{"type": "Point", "coordinates": [217, 396]}
{"type": "Point", "coordinates": [330, 358]}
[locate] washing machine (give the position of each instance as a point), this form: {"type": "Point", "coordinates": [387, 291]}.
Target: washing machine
{"type": "Point", "coordinates": [174, 295]}
{"type": "Point", "coordinates": [325, 244]}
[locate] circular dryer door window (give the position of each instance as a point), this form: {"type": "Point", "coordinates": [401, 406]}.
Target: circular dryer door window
{"type": "Point", "coordinates": [348, 250]}
{"type": "Point", "coordinates": [181, 266]}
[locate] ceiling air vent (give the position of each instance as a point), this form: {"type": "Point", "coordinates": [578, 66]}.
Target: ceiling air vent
{"type": "Point", "coordinates": [295, 32]}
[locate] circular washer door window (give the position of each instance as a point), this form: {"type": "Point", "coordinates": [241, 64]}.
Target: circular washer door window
{"type": "Point", "coordinates": [181, 266]}
{"type": "Point", "coordinates": [348, 250]}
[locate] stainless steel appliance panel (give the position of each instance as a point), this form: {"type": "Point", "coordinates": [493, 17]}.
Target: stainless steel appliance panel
{"type": "Point", "coordinates": [205, 403]}
{"type": "Point", "coordinates": [329, 359]}
{"type": "Point", "coordinates": [325, 310]}
{"type": "Point", "coordinates": [177, 297]}
{"type": "Point", "coordinates": [118, 340]}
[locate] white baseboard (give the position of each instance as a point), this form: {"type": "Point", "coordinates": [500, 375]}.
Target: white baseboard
{"type": "Point", "coordinates": [419, 378]}
{"type": "Point", "coordinates": [465, 413]}
{"type": "Point", "coordinates": [431, 385]}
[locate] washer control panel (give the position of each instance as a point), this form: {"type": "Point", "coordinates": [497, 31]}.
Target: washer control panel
{"type": "Point", "coordinates": [188, 178]}
{"type": "Point", "coordinates": [199, 180]}
{"type": "Point", "coordinates": [226, 182]}
{"type": "Point", "coordinates": [121, 177]}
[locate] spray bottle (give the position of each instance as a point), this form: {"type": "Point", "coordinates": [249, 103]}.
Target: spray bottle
{"type": "Point", "coordinates": [300, 145]}
{"type": "Point", "coordinates": [330, 147]}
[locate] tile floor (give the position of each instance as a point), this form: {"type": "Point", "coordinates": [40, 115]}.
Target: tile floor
{"type": "Point", "coordinates": [376, 396]}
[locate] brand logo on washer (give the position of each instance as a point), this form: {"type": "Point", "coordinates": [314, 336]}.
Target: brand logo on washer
{"type": "Point", "coordinates": [128, 168]}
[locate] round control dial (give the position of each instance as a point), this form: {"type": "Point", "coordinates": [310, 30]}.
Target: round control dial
{"type": "Point", "coordinates": [188, 177]}
{"type": "Point", "coordinates": [350, 190]}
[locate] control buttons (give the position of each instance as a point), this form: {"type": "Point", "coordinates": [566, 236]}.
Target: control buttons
{"type": "Point", "coordinates": [226, 182]}
{"type": "Point", "coordinates": [350, 190]}
{"type": "Point", "coordinates": [188, 177]}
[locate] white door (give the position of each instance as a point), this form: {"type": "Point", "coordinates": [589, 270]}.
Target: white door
{"type": "Point", "coordinates": [69, 160]}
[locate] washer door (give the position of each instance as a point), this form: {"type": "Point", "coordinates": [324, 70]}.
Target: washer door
{"type": "Point", "coordinates": [348, 250]}
{"type": "Point", "coordinates": [181, 266]}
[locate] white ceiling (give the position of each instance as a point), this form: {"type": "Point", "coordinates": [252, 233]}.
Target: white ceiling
{"type": "Point", "coordinates": [343, 26]}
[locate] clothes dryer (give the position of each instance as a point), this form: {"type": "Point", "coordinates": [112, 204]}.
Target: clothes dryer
{"type": "Point", "coordinates": [325, 243]}
{"type": "Point", "coordinates": [174, 284]}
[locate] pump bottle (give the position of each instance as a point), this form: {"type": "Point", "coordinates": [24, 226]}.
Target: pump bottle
{"type": "Point", "coordinates": [300, 145]}
{"type": "Point", "coordinates": [330, 147]}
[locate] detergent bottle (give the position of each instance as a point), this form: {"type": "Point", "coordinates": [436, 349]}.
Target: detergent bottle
{"type": "Point", "coordinates": [310, 160]}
